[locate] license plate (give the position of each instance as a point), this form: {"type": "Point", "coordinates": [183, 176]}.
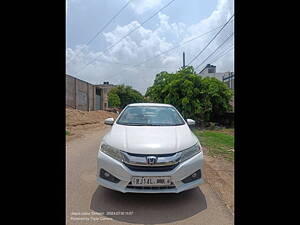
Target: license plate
{"type": "Point", "coordinates": [151, 181]}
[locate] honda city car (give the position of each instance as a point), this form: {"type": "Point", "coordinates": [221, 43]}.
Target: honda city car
{"type": "Point", "coordinates": [150, 148]}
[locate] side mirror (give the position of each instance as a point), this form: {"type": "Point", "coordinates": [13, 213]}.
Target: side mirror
{"type": "Point", "coordinates": [109, 121]}
{"type": "Point", "coordinates": [190, 122]}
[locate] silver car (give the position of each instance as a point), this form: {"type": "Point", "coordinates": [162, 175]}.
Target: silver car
{"type": "Point", "coordinates": [150, 149]}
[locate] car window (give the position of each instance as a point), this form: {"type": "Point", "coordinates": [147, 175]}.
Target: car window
{"type": "Point", "coordinates": [150, 116]}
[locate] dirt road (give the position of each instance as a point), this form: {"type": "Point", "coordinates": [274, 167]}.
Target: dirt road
{"type": "Point", "coordinates": [87, 203]}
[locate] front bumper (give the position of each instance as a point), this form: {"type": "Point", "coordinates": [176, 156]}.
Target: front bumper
{"type": "Point", "coordinates": [120, 171]}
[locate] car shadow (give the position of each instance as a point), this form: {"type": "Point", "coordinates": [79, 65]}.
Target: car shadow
{"type": "Point", "coordinates": [153, 208]}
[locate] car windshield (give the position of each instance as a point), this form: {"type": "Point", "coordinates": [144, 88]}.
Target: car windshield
{"type": "Point", "coordinates": [150, 116]}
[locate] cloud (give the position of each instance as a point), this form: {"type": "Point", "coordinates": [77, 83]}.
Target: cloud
{"type": "Point", "coordinates": [142, 44]}
{"type": "Point", "coordinates": [165, 28]}
{"type": "Point", "coordinates": [141, 6]}
{"type": "Point", "coordinates": [218, 17]}
{"type": "Point", "coordinates": [116, 64]}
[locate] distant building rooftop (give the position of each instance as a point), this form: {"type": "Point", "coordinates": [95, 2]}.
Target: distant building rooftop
{"type": "Point", "coordinates": [105, 84]}
{"type": "Point", "coordinates": [209, 66]}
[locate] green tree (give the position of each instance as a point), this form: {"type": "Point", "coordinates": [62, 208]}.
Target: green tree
{"type": "Point", "coordinates": [218, 96]}
{"type": "Point", "coordinates": [126, 95]}
{"type": "Point", "coordinates": [195, 97]}
{"type": "Point", "coordinates": [113, 100]}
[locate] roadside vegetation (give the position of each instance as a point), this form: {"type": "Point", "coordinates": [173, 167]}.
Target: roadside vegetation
{"type": "Point", "coordinates": [196, 97]}
{"type": "Point", "coordinates": [203, 99]}
{"type": "Point", "coordinates": [68, 133]}
{"type": "Point", "coordinates": [218, 143]}
{"type": "Point", "coordinates": [122, 95]}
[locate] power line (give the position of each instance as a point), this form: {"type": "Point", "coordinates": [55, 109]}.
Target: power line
{"type": "Point", "coordinates": [210, 41]}
{"type": "Point", "coordinates": [214, 51]}
{"type": "Point", "coordinates": [162, 53]}
{"type": "Point", "coordinates": [102, 29]}
{"type": "Point", "coordinates": [130, 32]}
{"type": "Point", "coordinates": [153, 57]}
{"type": "Point", "coordinates": [177, 46]}
{"type": "Point", "coordinates": [118, 13]}
{"type": "Point", "coordinates": [215, 59]}
{"type": "Point", "coordinates": [220, 56]}
{"type": "Point", "coordinates": [140, 25]}
{"type": "Point", "coordinates": [223, 51]}
{"type": "Point", "coordinates": [161, 69]}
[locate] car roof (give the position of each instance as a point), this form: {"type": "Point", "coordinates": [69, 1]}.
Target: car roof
{"type": "Point", "coordinates": [150, 104]}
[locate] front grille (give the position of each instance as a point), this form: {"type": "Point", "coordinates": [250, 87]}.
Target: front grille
{"type": "Point", "coordinates": [172, 186]}
{"type": "Point", "coordinates": [151, 168]}
{"type": "Point", "coordinates": [150, 188]}
{"type": "Point", "coordinates": [157, 155]}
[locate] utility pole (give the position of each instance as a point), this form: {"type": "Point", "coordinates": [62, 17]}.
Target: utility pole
{"type": "Point", "coordinates": [183, 60]}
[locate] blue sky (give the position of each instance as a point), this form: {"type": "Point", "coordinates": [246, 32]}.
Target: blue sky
{"type": "Point", "coordinates": [179, 22]}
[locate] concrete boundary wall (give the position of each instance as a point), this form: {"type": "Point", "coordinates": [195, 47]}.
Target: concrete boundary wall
{"type": "Point", "coordinates": [82, 95]}
{"type": "Point", "coordinates": [79, 94]}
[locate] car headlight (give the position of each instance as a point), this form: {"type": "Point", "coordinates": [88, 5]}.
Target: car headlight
{"type": "Point", "coordinates": [112, 152]}
{"type": "Point", "coordinates": [190, 152]}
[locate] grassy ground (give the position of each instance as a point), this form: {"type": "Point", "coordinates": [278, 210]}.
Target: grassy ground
{"type": "Point", "coordinates": [219, 143]}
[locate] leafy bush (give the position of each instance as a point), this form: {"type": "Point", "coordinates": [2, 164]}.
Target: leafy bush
{"type": "Point", "coordinates": [113, 100]}
{"type": "Point", "coordinates": [122, 95]}
{"type": "Point", "coordinates": [212, 126]}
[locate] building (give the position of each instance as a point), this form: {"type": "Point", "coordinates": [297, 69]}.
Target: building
{"type": "Point", "coordinates": [85, 96]}
{"type": "Point", "coordinates": [228, 78]}
{"type": "Point", "coordinates": [102, 95]}
{"type": "Point", "coordinates": [210, 71]}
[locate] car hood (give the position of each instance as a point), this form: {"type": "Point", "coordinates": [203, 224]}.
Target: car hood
{"type": "Point", "coordinates": [150, 139]}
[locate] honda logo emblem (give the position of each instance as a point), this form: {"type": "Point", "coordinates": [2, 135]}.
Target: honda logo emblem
{"type": "Point", "coordinates": [151, 160]}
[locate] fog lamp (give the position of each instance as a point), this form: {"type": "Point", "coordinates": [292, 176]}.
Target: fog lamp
{"type": "Point", "coordinates": [107, 176]}
{"type": "Point", "coordinates": [196, 175]}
